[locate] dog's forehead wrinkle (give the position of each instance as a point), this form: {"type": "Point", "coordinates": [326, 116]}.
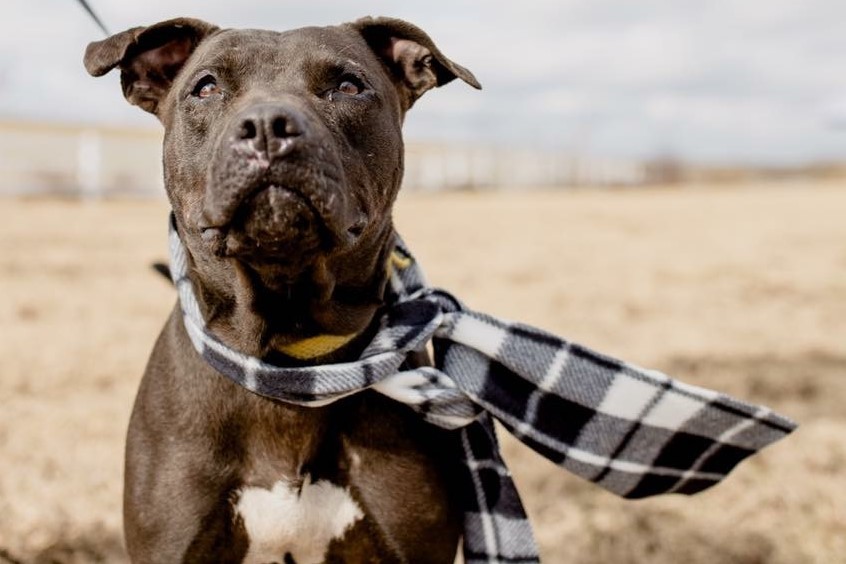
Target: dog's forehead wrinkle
{"type": "Point", "coordinates": [332, 39]}
{"type": "Point", "coordinates": [263, 67]}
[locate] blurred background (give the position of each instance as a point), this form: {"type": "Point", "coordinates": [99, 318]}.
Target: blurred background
{"type": "Point", "coordinates": [661, 180]}
{"type": "Point", "coordinates": [576, 93]}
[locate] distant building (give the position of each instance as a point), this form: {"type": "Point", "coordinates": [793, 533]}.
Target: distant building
{"type": "Point", "coordinates": [97, 161]}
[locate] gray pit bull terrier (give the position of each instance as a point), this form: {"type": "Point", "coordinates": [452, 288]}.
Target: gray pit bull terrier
{"type": "Point", "coordinates": [282, 159]}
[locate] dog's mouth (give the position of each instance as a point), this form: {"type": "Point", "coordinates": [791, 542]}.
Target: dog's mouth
{"type": "Point", "coordinates": [273, 221]}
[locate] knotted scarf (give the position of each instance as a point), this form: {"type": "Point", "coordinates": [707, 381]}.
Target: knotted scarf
{"type": "Point", "coordinates": [635, 432]}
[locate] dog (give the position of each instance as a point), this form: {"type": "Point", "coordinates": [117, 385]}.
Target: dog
{"type": "Point", "coordinates": [283, 156]}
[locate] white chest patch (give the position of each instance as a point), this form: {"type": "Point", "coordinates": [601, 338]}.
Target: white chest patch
{"type": "Point", "coordinates": [303, 523]}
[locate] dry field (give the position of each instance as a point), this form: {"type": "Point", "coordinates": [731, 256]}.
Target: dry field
{"type": "Point", "coordinates": [740, 289]}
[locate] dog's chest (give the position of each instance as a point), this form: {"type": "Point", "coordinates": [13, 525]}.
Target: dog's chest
{"type": "Point", "coordinates": [294, 522]}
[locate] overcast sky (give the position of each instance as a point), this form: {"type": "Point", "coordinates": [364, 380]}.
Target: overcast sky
{"type": "Point", "coordinates": [759, 81]}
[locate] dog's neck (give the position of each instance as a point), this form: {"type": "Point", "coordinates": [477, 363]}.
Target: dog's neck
{"type": "Point", "coordinates": [325, 314]}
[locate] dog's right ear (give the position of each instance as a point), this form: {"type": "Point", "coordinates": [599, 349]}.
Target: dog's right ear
{"type": "Point", "coordinates": [412, 58]}
{"type": "Point", "coordinates": [149, 57]}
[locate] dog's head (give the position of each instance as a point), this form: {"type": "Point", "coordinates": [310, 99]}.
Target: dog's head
{"type": "Point", "coordinates": [283, 151]}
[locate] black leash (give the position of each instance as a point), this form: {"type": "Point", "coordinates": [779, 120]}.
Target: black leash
{"type": "Point", "coordinates": [163, 269]}
{"type": "Point", "coordinates": [94, 17]}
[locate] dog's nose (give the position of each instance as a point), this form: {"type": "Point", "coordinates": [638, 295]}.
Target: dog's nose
{"type": "Point", "coordinates": [269, 128]}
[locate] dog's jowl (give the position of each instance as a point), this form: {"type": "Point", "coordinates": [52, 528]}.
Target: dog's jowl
{"type": "Point", "coordinates": [282, 157]}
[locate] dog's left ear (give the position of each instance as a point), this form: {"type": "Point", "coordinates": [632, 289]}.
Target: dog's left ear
{"type": "Point", "coordinates": [149, 57]}
{"type": "Point", "coordinates": [414, 62]}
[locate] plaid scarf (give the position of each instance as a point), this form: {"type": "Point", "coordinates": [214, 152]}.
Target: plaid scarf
{"type": "Point", "coordinates": [632, 431]}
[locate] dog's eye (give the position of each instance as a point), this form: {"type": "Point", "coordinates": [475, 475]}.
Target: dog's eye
{"type": "Point", "coordinates": [349, 88]}
{"type": "Point", "coordinates": [206, 87]}
{"type": "Point", "coordinates": [348, 85]}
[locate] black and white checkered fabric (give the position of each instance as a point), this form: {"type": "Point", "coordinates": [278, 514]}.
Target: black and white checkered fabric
{"type": "Point", "coordinates": [632, 431]}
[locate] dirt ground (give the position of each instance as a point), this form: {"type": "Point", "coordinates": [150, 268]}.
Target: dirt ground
{"type": "Point", "coordinates": [740, 289]}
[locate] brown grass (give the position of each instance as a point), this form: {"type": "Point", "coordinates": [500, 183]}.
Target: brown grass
{"type": "Point", "coordinates": [739, 289]}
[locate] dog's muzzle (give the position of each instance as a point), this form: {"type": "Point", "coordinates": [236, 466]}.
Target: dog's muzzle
{"type": "Point", "coordinates": [277, 187]}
